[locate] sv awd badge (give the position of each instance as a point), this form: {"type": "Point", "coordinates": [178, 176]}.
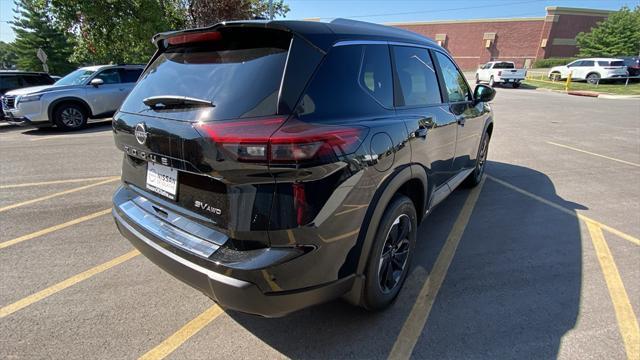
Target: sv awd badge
{"type": "Point", "coordinates": [207, 207]}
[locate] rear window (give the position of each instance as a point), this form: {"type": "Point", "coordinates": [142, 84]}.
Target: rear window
{"type": "Point", "coordinates": [504, 65]}
{"type": "Point", "coordinates": [239, 73]}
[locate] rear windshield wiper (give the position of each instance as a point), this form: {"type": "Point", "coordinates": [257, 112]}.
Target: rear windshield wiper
{"type": "Point", "coordinates": [173, 102]}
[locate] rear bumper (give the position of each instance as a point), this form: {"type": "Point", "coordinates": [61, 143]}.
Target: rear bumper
{"type": "Point", "coordinates": [228, 291]}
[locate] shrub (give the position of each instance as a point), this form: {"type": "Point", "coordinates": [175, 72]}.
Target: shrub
{"type": "Point", "coordinates": [551, 62]}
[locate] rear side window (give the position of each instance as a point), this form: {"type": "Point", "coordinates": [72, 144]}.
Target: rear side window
{"type": "Point", "coordinates": [375, 74]}
{"type": "Point", "coordinates": [35, 80]}
{"type": "Point", "coordinates": [351, 81]}
{"type": "Point", "coordinates": [240, 73]}
{"type": "Point", "coordinates": [617, 63]}
{"type": "Point", "coordinates": [504, 65]}
{"type": "Point", "coordinates": [9, 82]}
{"type": "Point", "coordinates": [109, 76]}
{"type": "Point", "coordinates": [130, 75]}
{"type": "Point", "coordinates": [416, 77]}
{"type": "Point", "coordinates": [457, 88]}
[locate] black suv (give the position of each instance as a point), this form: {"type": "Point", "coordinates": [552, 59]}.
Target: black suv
{"type": "Point", "coordinates": [11, 80]}
{"type": "Point", "coordinates": [277, 165]}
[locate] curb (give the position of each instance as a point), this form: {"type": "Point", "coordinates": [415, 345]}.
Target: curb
{"type": "Point", "coordinates": [583, 93]}
{"type": "Point", "coordinates": [618, 97]}
{"type": "Point", "coordinates": [591, 94]}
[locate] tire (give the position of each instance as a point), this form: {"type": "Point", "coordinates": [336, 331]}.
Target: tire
{"type": "Point", "coordinates": [491, 82]}
{"type": "Point", "coordinates": [476, 175]}
{"type": "Point", "coordinates": [593, 78]}
{"type": "Point", "coordinates": [516, 85]}
{"type": "Point", "coordinates": [477, 79]}
{"type": "Point", "coordinates": [70, 116]}
{"type": "Point", "coordinates": [554, 76]}
{"type": "Point", "coordinates": [384, 276]}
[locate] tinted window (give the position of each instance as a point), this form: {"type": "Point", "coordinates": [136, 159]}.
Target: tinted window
{"type": "Point", "coordinates": [375, 74]}
{"type": "Point", "coordinates": [336, 92]}
{"type": "Point", "coordinates": [504, 65]}
{"type": "Point", "coordinates": [416, 76]}
{"type": "Point", "coordinates": [587, 63]}
{"type": "Point", "coordinates": [457, 88]}
{"type": "Point", "coordinates": [617, 63]}
{"type": "Point", "coordinates": [35, 80]}
{"type": "Point", "coordinates": [130, 75]}
{"type": "Point", "coordinates": [110, 76]}
{"type": "Point", "coordinates": [9, 83]}
{"type": "Point", "coordinates": [240, 73]}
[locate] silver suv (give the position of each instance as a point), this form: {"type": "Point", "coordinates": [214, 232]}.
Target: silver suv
{"type": "Point", "coordinates": [89, 92]}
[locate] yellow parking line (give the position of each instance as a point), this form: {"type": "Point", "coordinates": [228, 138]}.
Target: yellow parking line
{"type": "Point", "coordinates": [614, 231]}
{"type": "Point", "coordinates": [594, 154]}
{"type": "Point", "coordinates": [179, 337]}
{"type": "Point", "coordinates": [627, 321]}
{"type": "Point", "coordinates": [412, 328]}
{"type": "Point", "coordinates": [11, 186]}
{"type": "Point", "coordinates": [13, 206]}
{"type": "Point", "coordinates": [53, 228]}
{"type": "Point", "coordinates": [31, 299]}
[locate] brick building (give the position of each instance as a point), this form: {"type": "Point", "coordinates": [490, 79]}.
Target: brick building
{"type": "Point", "coordinates": [522, 40]}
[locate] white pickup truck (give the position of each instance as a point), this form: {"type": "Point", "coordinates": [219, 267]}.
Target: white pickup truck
{"type": "Point", "coordinates": [504, 72]}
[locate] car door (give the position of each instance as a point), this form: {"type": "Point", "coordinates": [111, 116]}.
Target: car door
{"type": "Point", "coordinates": [580, 69]}
{"type": "Point", "coordinates": [419, 103]}
{"type": "Point", "coordinates": [468, 115]}
{"type": "Point", "coordinates": [106, 98]}
{"type": "Point", "coordinates": [486, 72]}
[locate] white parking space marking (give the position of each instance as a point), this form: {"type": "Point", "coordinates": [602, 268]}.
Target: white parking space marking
{"type": "Point", "coordinates": [593, 154]}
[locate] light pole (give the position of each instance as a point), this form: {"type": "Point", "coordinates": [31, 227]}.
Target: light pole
{"type": "Point", "coordinates": [270, 9]}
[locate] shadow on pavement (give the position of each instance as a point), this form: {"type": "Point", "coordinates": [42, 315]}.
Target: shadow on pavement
{"type": "Point", "coordinates": [92, 127]}
{"type": "Point", "coordinates": [512, 290]}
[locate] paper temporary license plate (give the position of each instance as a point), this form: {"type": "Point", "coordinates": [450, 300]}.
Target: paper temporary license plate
{"type": "Point", "coordinates": [162, 180]}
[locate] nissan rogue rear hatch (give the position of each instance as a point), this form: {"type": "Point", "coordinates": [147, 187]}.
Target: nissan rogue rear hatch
{"type": "Point", "coordinates": [226, 80]}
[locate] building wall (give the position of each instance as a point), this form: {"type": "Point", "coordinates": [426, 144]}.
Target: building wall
{"type": "Point", "coordinates": [519, 40]}
{"type": "Point", "coordinates": [514, 40]}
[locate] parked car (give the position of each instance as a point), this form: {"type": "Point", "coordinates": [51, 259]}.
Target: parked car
{"type": "Point", "coordinates": [276, 165]}
{"type": "Point", "coordinates": [633, 65]}
{"type": "Point", "coordinates": [591, 70]}
{"type": "Point", "coordinates": [89, 92]}
{"type": "Point", "coordinates": [11, 79]}
{"type": "Point", "coordinates": [500, 72]}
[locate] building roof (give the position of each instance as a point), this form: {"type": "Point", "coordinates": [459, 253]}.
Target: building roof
{"type": "Point", "coordinates": [551, 10]}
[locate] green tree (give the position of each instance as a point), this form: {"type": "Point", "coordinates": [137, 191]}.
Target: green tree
{"type": "Point", "coordinates": [8, 58]}
{"type": "Point", "coordinates": [618, 35]}
{"type": "Point", "coordinates": [117, 31]}
{"type": "Point", "coordinates": [209, 12]}
{"type": "Point", "coordinates": [35, 28]}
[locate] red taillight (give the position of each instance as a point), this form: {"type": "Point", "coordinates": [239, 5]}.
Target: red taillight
{"type": "Point", "coordinates": [269, 141]}
{"type": "Point", "coordinates": [194, 37]}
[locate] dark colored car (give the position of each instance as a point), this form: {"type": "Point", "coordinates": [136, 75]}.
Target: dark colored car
{"type": "Point", "coordinates": [10, 80]}
{"type": "Point", "coordinates": [633, 65]}
{"type": "Point", "coordinates": [276, 165]}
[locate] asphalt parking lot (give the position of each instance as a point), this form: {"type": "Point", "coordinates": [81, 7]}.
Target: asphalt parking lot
{"type": "Point", "coordinates": [541, 261]}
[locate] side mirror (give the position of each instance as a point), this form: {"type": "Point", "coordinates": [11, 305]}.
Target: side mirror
{"type": "Point", "coordinates": [96, 82]}
{"type": "Point", "coordinates": [483, 93]}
